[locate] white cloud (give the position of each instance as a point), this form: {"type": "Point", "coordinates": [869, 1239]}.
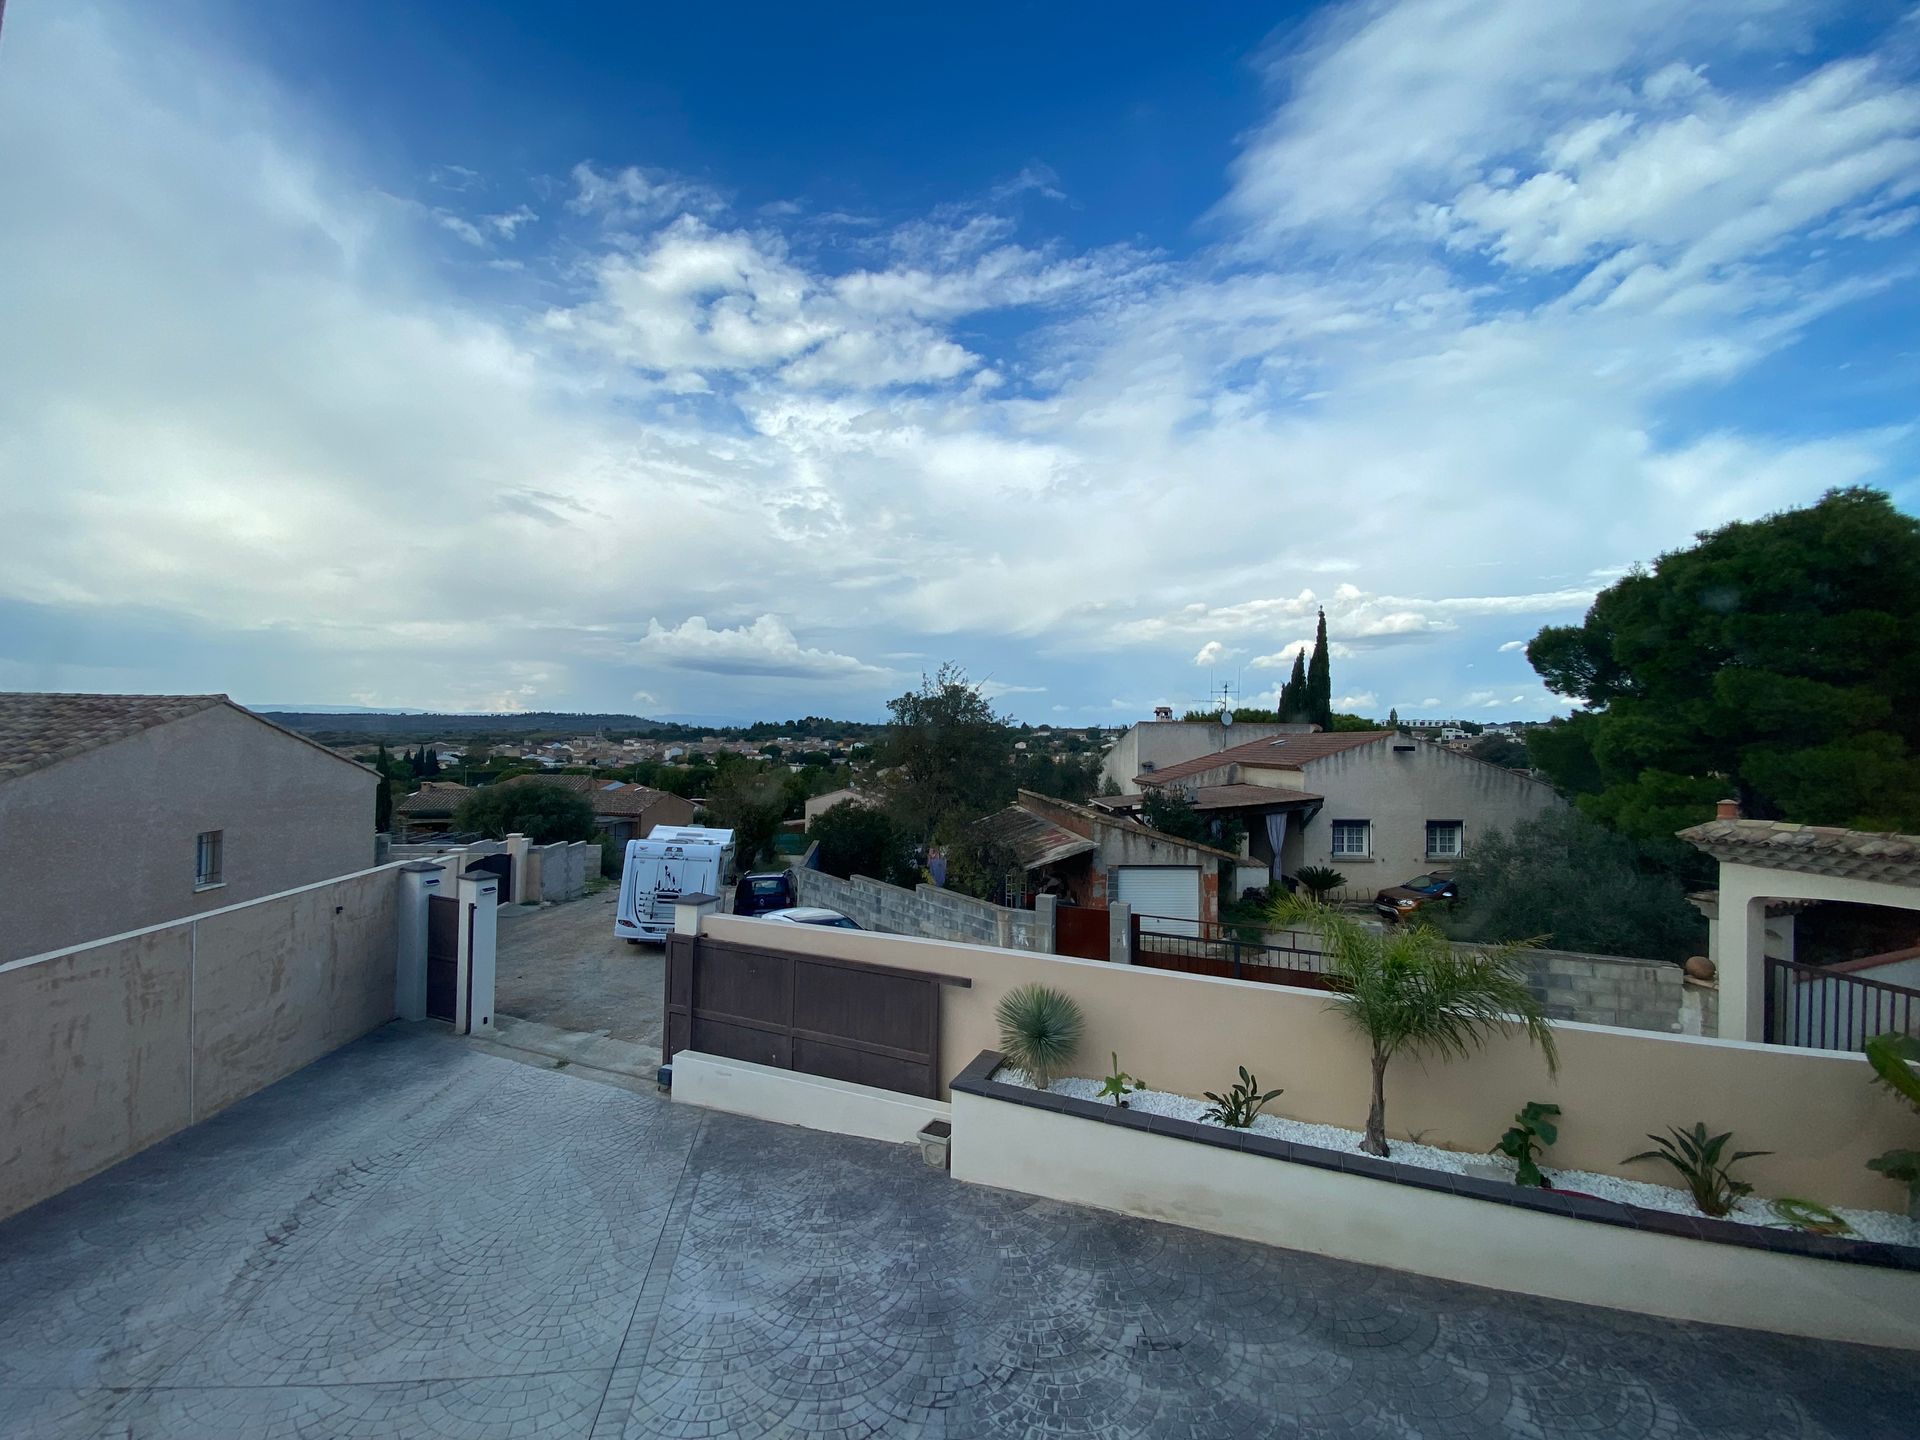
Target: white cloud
{"type": "Point", "coordinates": [996, 689]}
{"type": "Point", "coordinates": [1471, 415]}
{"type": "Point", "coordinates": [1510, 645]}
{"type": "Point", "coordinates": [766, 647]}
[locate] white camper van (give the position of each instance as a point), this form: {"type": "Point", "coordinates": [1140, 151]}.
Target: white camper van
{"type": "Point", "coordinates": [673, 860]}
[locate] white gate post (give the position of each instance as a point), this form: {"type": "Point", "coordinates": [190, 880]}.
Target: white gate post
{"type": "Point", "coordinates": [479, 919]}
{"type": "Point", "coordinates": [1120, 934]}
{"type": "Point", "coordinates": [419, 882]}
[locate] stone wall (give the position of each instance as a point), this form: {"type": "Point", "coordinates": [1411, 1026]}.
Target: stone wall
{"type": "Point", "coordinates": [928, 911]}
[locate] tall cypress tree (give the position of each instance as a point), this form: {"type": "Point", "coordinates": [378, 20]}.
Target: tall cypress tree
{"type": "Point", "coordinates": [1293, 694]}
{"type": "Point", "coordinates": [383, 797]}
{"type": "Point", "coordinates": [1320, 680]}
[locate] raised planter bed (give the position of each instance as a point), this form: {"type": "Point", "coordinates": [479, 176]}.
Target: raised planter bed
{"type": "Point", "coordinates": [1455, 1226]}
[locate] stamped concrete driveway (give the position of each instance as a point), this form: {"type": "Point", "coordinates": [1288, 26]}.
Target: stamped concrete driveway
{"type": "Point", "coordinates": [411, 1238]}
{"type": "Point", "coordinates": [561, 966]}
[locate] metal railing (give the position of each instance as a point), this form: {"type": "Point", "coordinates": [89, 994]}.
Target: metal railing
{"type": "Point", "coordinates": [1207, 947]}
{"type": "Point", "coordinates": [1816, 1008]}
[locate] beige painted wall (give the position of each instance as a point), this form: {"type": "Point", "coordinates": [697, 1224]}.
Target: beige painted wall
{"type": "Point", "coordinates": [108, 1047]}
{"type": "Point", "coordinates": [1186, 1033]}
{"type": "Point", "coordinates": [104, 843]}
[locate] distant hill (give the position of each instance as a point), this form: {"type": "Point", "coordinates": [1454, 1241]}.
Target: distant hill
{"type": "Point", "coordinates": [347, 725]}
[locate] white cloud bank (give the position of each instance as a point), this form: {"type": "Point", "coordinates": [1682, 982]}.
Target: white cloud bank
{"type": "Point", "coordinates": [1446, 350]}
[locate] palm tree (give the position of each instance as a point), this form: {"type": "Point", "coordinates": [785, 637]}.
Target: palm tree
{"type": "Point", "coordinates": [1410, 988]}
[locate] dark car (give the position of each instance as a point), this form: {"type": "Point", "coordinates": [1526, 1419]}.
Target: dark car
{"type": "Point", "coordinates": [1397, 902]}
{"type": "Point", "coordinates": [765, 890]}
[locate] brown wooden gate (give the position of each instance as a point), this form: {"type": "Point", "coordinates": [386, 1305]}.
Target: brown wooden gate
{"type": "Point", "coordinates": [843, 1019]}
{"type": "Point", "coordinates": [443, 956]}
{"type": "Point", "coordinates": [1078, 930]}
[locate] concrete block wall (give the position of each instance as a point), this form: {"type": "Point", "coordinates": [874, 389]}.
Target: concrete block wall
{"type": "Point", "coordinates": [1609, 990]}
{"type": "Point", "coordinates": [928, 911]}
{"type": "Point", "coordinates": [560, 871]}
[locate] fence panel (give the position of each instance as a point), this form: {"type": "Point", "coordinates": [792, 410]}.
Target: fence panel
{"type": "Point", "coordinates": [1815, 1008]}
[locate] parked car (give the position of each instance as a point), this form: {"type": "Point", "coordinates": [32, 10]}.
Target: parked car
{"type": "Point", "coordinates": [1397, 902]}
{"type": "Point", "coordinates": [765, 890]}
{"type": "Point", "coordinates": [810, 915]}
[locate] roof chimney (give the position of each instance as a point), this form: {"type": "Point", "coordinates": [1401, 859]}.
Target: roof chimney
{"type": "Point", "coordinates": [1727, 810]}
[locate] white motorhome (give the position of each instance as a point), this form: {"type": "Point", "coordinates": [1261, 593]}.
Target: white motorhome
{"type": "Point", "coordinates": [673, 860]}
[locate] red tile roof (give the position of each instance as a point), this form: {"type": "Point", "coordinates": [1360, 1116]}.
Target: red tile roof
{"type": "Point", "coordinates": [1283, 751]}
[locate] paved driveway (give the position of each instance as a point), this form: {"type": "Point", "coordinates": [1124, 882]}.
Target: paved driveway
{"type": "Point", "coordinates": [563, 967]}
{"type": "Point", "coordinates": [411, 1238]}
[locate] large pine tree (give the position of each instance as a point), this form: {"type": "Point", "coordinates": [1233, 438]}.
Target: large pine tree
{"type": "Point", "coordinates": [1319, 699]}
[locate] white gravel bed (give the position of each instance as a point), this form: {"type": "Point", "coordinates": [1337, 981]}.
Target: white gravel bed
{"type": "Point", "coordinates": [1877, 1225]}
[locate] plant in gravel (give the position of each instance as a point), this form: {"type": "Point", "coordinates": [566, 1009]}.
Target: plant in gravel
{"type": "Point", "coordinates": [1533, 1129]}
{"type": "Point", "coordinates": [1040, 1030]}
{"type": "Point", "coordinates": [1117, 1086]}
{"type": "Point", "coordinates": [1893, 1057]}
{"type": "Point", "coordinates": [1696, 1155]}
{"type": "Point", "coordinates": [1411, 989]}
{"type": "Point", "coordinates": [1237, 1108]}
{"type": "Point", "coordinates": [1320, 881]}
{"type": "Point", "coordinates": [1809, 1215]}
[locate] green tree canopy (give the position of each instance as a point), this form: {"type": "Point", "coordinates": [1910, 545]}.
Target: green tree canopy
{"type": "Point", "coordinates": [945, 755]}
{"type": "Point", "coordinates": [543, 813]}
{"type": "Point", "coordinates": [750, 801]}
{"type": "Point", "coordinates": [860, 839]}
{"type": "Point", "coordinates": [1569, 882]}
{"type": "Point", "coordinates": [1777, 660]}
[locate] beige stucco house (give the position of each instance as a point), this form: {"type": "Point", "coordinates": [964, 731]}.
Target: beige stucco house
{"type": "Point", "coordinates": [122, 811]}
{"type": "Point", "coordinates": [1154, 745]}
{"type": "Point", "coordinates": [1379, 806]}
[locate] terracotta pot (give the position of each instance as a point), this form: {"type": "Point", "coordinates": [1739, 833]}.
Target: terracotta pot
{"type": "Point", "coordinates": [1699, 967]}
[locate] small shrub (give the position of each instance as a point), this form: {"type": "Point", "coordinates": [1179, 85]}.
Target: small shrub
{"type": "Point", "coordinates": [1320, 881]}
{"type": "Point", "coordinates": [1696, 1155]}
{"type": "Point", "coordinates": [1120, 1084]}
{"type": "Point", "coordinates": [1238, 1107]}
{"type": "Point", "coordinates": [1040, 1031]}
{"type": "Point", "coordinates": [1904, 1166]}
{"type": "Point", "coordinates": [1810, 1216]}
{"type": "Point", "coordinates": [1532, 1131]}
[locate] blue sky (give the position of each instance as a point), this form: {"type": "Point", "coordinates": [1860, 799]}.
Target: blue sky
{"type": "Point", "coordinates": [748, 363]}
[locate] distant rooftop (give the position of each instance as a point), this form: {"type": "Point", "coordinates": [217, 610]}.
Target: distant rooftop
{"type": "Point", "coordinates": [1279, 751]}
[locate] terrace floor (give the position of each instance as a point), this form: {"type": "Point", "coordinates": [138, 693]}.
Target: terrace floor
{"type": "Point", "coordinates": [411, 1238]}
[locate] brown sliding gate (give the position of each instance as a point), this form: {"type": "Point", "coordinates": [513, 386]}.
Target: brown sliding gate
{"type": "Point", "coordinates": [843, 1019]}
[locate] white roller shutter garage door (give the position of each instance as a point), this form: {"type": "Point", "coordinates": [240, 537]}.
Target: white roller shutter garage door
{"type": "Point", "coordinates": [1168, 891]}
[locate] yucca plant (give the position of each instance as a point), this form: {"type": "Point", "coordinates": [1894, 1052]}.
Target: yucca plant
{"type": "Point", "coordinates": [1320, 881]}
{"type": "Point", "coordinates": [1696, 1155]}
{"type": "Point", "coordinates": [1410, 989]}
{"type": "Point", "coordinates": [1040, 1030]}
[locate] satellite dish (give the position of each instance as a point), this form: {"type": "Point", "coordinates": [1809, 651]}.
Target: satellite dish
{"type": "Point", "coordinates": [1226, 714]}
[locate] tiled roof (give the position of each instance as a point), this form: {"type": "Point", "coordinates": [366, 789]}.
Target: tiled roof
{"type": "Point", "coordinates": [38, 729]}
{"type": "Point", "coordinates": [1217, 797]}
{"type": "Point", "coordinates": [1811, 849]}
{"type": "Point", "coordinates": [1035, 840]}
{"type": "Point", "coordinates": [608, 797]}
{"type": "Point", "coordinates": [1287, 751]}
{"type": "Point", "coordinates": [434, 798]}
